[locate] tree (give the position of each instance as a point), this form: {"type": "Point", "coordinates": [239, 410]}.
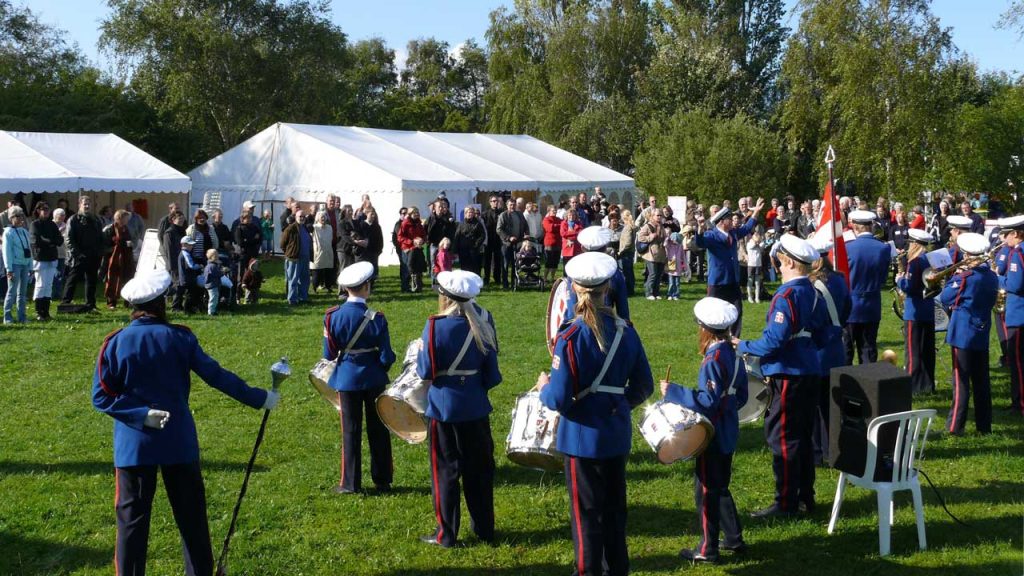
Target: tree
{"type": "Point", "coordinates": [1014, 17]}
{"type": "Point", "coordinates": [372, 78]}
{"type": "Point", "coordinates": [696, 154]}
{"type": "Point", "coordinates": [226, 69]}
{"type": "Point", "coordinates": [868, 78]}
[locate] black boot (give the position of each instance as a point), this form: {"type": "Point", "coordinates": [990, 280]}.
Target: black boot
{"type": "Point", "coordinates": [38, 303]}
{"type": "Point", "coordinates": [46, 308]}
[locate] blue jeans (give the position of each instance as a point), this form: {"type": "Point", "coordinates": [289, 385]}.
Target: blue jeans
{"type": "Point", "coordinates": [211, 306]}
{"type": "Point", "coordinates": [58, 280]}
{"type": "Point", "coordinates": [653, 285]}
{"type": "Point", "coordinates": [17, 289]}
{"type": "Point", "coordinates": [673, 286]}
{"type": "Point", "coordinates": [626, 265]}
{"type": "Point", "coordinates": [292, 269]}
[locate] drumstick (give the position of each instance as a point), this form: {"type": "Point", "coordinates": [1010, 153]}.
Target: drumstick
{"type": "Point", "coordinates": [668, 374]}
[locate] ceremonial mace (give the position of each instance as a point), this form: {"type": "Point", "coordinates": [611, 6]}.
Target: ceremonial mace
{"type": "Point", "coordinates": [278, 372]}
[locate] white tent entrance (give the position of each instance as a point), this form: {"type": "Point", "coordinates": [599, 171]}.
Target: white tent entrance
{"type": "Point", "coordinates": [395, 169]}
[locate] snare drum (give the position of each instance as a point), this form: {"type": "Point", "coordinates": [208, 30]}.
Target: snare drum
{"type": "Point", "coordinates": [402, 405]}
{"type": "Point", "coordinates": [531, 441]}
{"type": "Point", "coordinates": [757, 392]}
{"type": "Point", "coordinates": [319, 376]}
{"type": "Point", "coordinates": [675, 432]}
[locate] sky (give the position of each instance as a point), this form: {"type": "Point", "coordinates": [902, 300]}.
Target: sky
{"type": "Point", "coordinates": [455, 21]}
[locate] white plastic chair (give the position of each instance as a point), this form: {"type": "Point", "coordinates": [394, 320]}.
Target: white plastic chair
{"type": "Point", "coordinates": [910, 440]}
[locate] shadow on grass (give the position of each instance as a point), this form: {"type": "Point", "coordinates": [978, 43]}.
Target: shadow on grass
{"type": "Point", "coordinates": [527, 570]}
{"type": "Point", "coordinates": [38, 557]}
{"type": "Point", "coordinates": [106, 467]}
{"type": "Point", "coordinates": [510, 474]}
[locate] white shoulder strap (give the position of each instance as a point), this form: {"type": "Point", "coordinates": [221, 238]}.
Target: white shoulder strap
{"type": "Point", "coordinates": [832, 312]}
{"type": "Point", "coordinates": [368, 317]}
{"type": "Point", "coordinates": [453, 369]}
{"type": "Point", "coordinates": [735, 374]}
{"type": "Point", "coordinates": [595, 386]}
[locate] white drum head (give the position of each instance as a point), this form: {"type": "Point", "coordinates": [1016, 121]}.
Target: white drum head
{"type": "Point", "coordinates": [558, 301]}
{"type": "Point", "coordinates": [941, 317]}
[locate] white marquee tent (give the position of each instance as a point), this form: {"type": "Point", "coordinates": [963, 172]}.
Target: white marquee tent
{"type": "Point", "coordinates": [102, 165]}
{"type": "Point", "coordinates": [394, 168]}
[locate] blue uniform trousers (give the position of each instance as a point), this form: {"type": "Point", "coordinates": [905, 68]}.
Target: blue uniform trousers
{"type": "Point", "coordinates": [466, 450]}
{"type": "Point", "coordinates": [862, 336]}
{"type": "Point", "coordinates": [919, 355]}
{"type": "Point", "coordinates": [732, 294]}
{"type": "Point", "coordinates": [597, 514]}
{"type": "Point", "coordinates": [133, 500]}
{"type": "Point", "coordinates": [381, 464]}
{"type": "Point", "coordinates": [970, 369]}
{"type": "Point", "coordinates": [714, 504]}
{"type": "Point", "coordinates": [1015, 361]}
{"type": "Point", "coordinates": [819, 435]}
{"type": "Point", "coordinates": [788, 426]}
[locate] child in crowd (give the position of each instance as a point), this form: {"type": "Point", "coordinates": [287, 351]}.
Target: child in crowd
{"type": "Point", "coordinates": [188, 276]}
{"type": "Point", "coordinates": [755, 254]}
{"type": "Point", "coordinates": [676, 265]}
{"type": "Point", "coordinates": [528, 261]}
{"type": "Point", "coordinates": [212, 273]}
{"type": "Point", "coordinates": [251, 282]}
{"type": "Point", "coordinates": [444, 260]}
{"type": "Point", "coordinates": [267, 232]}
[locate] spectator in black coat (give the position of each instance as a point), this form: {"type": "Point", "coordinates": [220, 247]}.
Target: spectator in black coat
{"type": "Point", "coordinates": [85, 246]}
{"type": "Point", "coordinates": [440, 225]}
{"type": "Point", "coordinates": [403, 268]}
{"type": "Point", "coordinates": [469, 240]}
{"type": "Point", "coordinates": [493, 260]}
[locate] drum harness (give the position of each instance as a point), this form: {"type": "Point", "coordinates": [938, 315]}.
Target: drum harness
{"type": "Point", "coordinates": [596, 386]}
{"type": "Point", "coordinates": [368, 316]}
{"type": "Point", "coordinates": [452, 370]}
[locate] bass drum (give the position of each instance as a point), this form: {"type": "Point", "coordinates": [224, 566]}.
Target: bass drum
{"type": "Point", "coordinates": [558, 302]}
{"type": "Point", "coordinates": [532, 439]}
{"type": "Point", "coordinates": [757, 392]}
{"type": "Point", "coordinates": [941, 317]}
{"type": "Point", "coordinates": [402, 406]}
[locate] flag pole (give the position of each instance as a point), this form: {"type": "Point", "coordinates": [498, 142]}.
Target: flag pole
{"type": "Point", "coordinates": [830, 158]}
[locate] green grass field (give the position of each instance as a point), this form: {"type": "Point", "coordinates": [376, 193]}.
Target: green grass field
{"type": "Point", "coordinates": [56, 475]}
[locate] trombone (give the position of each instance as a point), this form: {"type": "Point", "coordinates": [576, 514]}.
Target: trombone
{"type": "Point", "coordinates": [935, 280]}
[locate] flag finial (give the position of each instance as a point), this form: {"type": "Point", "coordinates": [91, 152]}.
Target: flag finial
{"type": "Point", "coordinates": [830, 156]}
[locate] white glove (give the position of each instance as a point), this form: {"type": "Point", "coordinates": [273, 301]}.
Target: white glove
{"type": "Point", "coordinates": [272, 399]}
{"type": "Point", "coordinates": [157, 419]}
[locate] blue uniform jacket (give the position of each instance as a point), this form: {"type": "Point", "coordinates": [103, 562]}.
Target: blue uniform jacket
{"type": "Point", "coordinates": [970, 296]}
{"type": "Point", "coordinates": [459, 397]}
{"type": "Point", "coordinates": [1002, 257]}
{"type": "Point", "coordinates": [366, 366]}
{"type": "Point", "coordinates": [717, 372]}
{"type": "Point", "coordinates": [1013, 283]}
{"type": "Point", "coordinates": [915, 306]}
{"type": "Point", "coordinates": [598, 425]}
{"type": "Point", "coordinates": [797, 319]}
{"type": "Point", "coordinates": [147, 365]}
{"type": "Point", "coordinates": [723, 261]}
{"type": "Point", "coordinates": [869, 267]}
{"type": "Point", "coordinates": [955, 254]}
{"type": "Point", "coordinates": [618, 298]}
{"type": "Point", "coordinates": [832, 351]}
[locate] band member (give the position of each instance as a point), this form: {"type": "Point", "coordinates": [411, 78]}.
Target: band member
{"type": "Point", "coordinates": [789, 359]}
{"type": "Point", "coordinates": [358, 339]}
{"type": "Point", "coordinates": [998, 236]}
{"type": "Point", "coordinates": [460, 358]}
{"type": "Point", "coordinates": [957, 225]}
{"type": "Point", "coordinates": [599, 373]}
{"type": "Point", "coordinates": [722, 244]}
{"type": "Point", "coordinates": [832, 288]}
{"type": "Point", "coordinates": [596, 239]}
{"type": "Point", "coordinates": [1013, 283]}
{"type": "Point", "coordinates": [142, 381]}
{"type": "Point", "coordinates": [918, 315]}
{"type": "Point", "coordinates": [721, 391]}
{"type": "Point", "coordinates": [869, 267]}
{"type": "Point", "coordinates": [970, 295]}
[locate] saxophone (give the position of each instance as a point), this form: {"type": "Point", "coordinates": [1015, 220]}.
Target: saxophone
{"type": "Point", "coordinates": [898, 297]}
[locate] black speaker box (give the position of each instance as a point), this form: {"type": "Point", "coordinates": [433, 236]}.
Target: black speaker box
{"type": "Point", "coordinates": [858, 394]}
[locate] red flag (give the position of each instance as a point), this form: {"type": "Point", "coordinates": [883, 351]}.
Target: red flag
{"type": "Point", "coordinates": [830, 222]}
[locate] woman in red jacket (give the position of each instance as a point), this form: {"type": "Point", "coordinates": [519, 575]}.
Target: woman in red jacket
{"type": "Point", "coordinates": [552, 225]}
{"type": "Point", "coordinates": [410, 237]}
{"type": "Point", "coordinates": [571, 227]}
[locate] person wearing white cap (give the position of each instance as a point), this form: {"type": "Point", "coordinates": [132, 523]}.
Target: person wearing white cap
{"type": "Point", "coordinates": [869, 269]}
{"type": "Point", "coordinates": [722, 245]}
{"type": "Point", "coordinates": [970, 295]}
{"type": "Point", "coordinates": [835, 294]}
{"type": "Point", "coordinates": [142, 382]}
{"type": "Point", "coordinates": [599, 374]}
{"type": "Point", "coordinates": [918, 315]}
{"type": "Point", "coordinates": [460, 358]}
{"type": "Point", "coordinates": [957, 225]}
{"type": "Point", "coordinates": [721, 391]}
{"type": "Point", "coordinates": [796, 321]}
{"type": "Point", "coordinates": [357, 338]}
{"type": "Point", "coordinates": [596, 239]}
{"type": "Point", "coordinates": [997, 237]}
{"type": "Point", "coordinates": [1012, 282]}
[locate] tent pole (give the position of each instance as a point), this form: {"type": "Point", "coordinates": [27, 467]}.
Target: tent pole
{"type": "Point", "coordinates": [270, 166]}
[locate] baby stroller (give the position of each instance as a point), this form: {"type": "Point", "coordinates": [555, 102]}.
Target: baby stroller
{"type": "Point", "coordinates": [527, 267]}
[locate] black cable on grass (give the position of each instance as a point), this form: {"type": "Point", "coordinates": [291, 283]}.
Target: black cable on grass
{"type": "Point", "coordinates": [941, 501]}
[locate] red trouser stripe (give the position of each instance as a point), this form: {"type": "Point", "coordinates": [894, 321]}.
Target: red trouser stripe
{"type": "Point", "coordinates": [785, 451]}
{"type": "Point", "coordinates": [580, 568]}
{"type": "Point", "coordinates": [341, 426]}
{"type": "Point", "coordinates": [910, 347]}
{"type": "Point", "coordinates": [704, 504]}
{"type": "Point", "coordinates": [437, 482]}
{"type": "Point", "coordinates": [956, 392]}
{"type": "Point", "coordinates": [117, 500]}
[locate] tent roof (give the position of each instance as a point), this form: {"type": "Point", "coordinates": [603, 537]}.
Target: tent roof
{"type": "Point", "coordinates": [296, 158]}
{"type": "Point", "coordinates": [49, 162]}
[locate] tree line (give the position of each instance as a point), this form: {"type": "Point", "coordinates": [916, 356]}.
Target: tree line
{"type": "Point", "coordinates": [704, 98]}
